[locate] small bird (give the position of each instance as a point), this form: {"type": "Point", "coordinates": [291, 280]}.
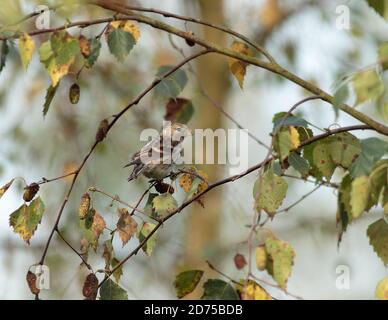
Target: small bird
{"type": "Point", "coordinates": [156, 160]}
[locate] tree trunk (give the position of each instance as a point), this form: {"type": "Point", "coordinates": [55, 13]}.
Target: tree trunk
{"type": "Point", "coordinates": [202, 228]}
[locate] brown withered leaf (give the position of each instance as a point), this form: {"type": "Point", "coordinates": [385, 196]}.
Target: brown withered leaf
{"type": "Point", "coordinates": [90, 287]}
{"type": "Point", "coordinates": [31, 281]}
{"type": "Point", "coordinates": [179, 110]}
{"type": "Point", "coordinates": [30, 192]}
{"type": "Point", "coordinates": [239, 261]}
{"type": "Point", "coordinates": [98, 226]}
{"type": "Point", "coordinates": [126, 225]}
{"type": "Point", "coordinates": [84, 46]}
{"type": "Point", "coordinates": [102, 130]}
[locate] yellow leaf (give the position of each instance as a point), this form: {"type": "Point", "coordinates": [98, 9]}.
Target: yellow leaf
{"type": "Point", "coordinates": [186, 182]}
{"type": "Point", "coordinates": [127, 26]}
{"type": "Point", "coordinates": [4, 188]}
{"type": "Point", "coordinates": [253, 291]}
{"type": "Point", "coordinates": [237, 67]}
{"type": "Point", "coordinates": [133, 29]}
{"type": "Point", "coordinates": [294, 137]}
{"type": "Point", "coordinates": [84, 206]}
{"type": "Point", "coordinates": [261, 257]}
{"type": "Point", "coordinates": [382, 289]}
{"type": "Point", "coordinates": [26, 48]}
{"type": "Point", "coordinates": [56, 72]}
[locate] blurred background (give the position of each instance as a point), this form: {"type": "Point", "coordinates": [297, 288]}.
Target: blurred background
{"type": "Point", "coordinates": [301, 35]}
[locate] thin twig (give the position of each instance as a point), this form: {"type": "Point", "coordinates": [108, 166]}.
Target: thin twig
{"type": "Point", "coordinates": [201, 22]}
{"type": "Point", "coordinates": [117, 199]}
{"type": "Point", "coordinates": [44, 180]}
{"type": "Point", "coordinates": [74, 250]}
{"type": "Point", "coordinates": [214, 103]}
{"type": "Point", "coordinates": [298, 201]}
{"type": "Point", "coordinates": [211, 266]}
{"type": "Point", "coordinates": [215, 185]}
{"type": "Point", "coordinates": [323, 183]}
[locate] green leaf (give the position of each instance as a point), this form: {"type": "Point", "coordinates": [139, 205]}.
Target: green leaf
{"type": "Point", "coordinates": [3, 54]}
{"type": "Point", "coordinates": [372, 149]}
{"type": "Point", "coordinates": [281, 257]}
{"type": "Point", "coordinates": [112, 291]}
{"type": "Point", "coordinates": [340, 96]}
{"type": "Point", "coordinates": [286, 140]}
{"type": "Point", "coordinates": [304, 133]}
{"type": "Point", "coordinates": [323, 161]}
{"type": "Point", "coordinates": [339, 150]}
{"type": "Point", "coordinates": [344, 214]}
{"type": "Point", "coordinates": [368, 86]}
{"type": "Point", "coordinates": [120, 43]}
{"type": "Point", "coordinates": [91, 227]}
{"type": "Point", "coordinates": [148, 208]}
{"type": "Point", "coordinates": [359, 196]}
{"type": "Point", "coordinates": [51, 91]}
{"type": "Point", "coordinates": [380, 6]}
{"type": "Point", "coordinates": [95, 48]}
{"type": "Point", "coordinates": [172, 85]}
{"type": "Point", "coordinates": [378, 180]}
{"type": "Point", "coordinates": [64, 47]}
{"type": "Point", "coordinates": [269, 192]}
{"type": "Point", "coordinates": [186, 282]}
{"type": "Point", "coordinates": [344, 149]}
{"type": "Point", "coordinates": [378, 238]}
{"type": "Point", "coordinates": [145, 230]}
{"type": "Point", "coordinates": [179, 110]}
{"type": "Point", "coordinates": [164, 204]}
{"type": "Point", "coordinates": [291, 120]}
{"type": "Point", "coordinates": [119, 272]}
{"type": "Point", "coordinates": [299, 164]}
{"type": "Point", "coordinates": [215, 289]}
{"type": "Point", "coordinates": [25, 220]}
{"type": "Point", "coordinates": [58, 54]}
